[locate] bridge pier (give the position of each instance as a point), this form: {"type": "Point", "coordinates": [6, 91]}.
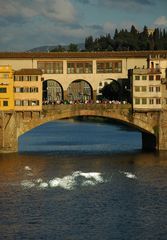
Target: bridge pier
{"type": "Point", "coordinates": [161, 131]}
{"type": "Point", "coordinates": [158, 140]}
{"type": "Point", "coordinates": [148, 142]}
{"type": "Point", "coordinates": [8, 132]}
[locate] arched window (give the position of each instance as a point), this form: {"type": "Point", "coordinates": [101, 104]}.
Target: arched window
{"type": "Point", "coordinates": [52, 91]}
{"type": "Point", "coordinates": [79, 90]}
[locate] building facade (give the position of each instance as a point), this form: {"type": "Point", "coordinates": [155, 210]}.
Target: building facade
{"type": "Point", "coordinates": [70, 76]}
{"type": "Point", "coordinates": [66, 68]}
{"type": "Point", "coordinates": [6, 88]}
{"type": "Point", "coordinates": [149, 86]}
{"type": "Point", "coordinates": [27, 90]}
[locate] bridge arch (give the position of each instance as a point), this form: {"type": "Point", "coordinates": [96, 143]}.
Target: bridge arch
{"type": "Point", "coordinates": [20, 122]}
{"type": "Point", "coordinates": [115, 112]}
{"type": "Point", "coordinates": [80, 90]}
{"type": "Point", "coordinates": [52, 91]}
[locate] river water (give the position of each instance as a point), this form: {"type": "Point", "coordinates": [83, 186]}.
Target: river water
{"type": "Point", "coordinates": [83, 181]}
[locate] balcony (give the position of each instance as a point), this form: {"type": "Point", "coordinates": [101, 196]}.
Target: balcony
{"type": "Point", "coordinates": [145, 71]}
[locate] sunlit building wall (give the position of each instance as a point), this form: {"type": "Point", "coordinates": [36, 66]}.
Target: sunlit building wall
{"type": "Point", "coordinates": [6, 88]}
{"type": "Point", "coordinates": [28, 90]}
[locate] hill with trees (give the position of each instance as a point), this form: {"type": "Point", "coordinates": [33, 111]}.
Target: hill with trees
{"type": "Point", "coordinates": [123, 40]}
{"type": "Point", "coordinates": [132, 40]}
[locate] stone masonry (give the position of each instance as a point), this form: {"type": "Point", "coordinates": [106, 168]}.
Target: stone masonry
{"type": "Point", "coordinates": [152, 124]}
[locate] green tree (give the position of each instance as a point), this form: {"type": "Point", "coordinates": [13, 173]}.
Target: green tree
{"type": "Point", "coordinates": [89, 44]}
{"type": "Point", "coordinates": [72, 47]}
{"type": "Point", "coordinates": [143, 39]}
{"type": "Point", "coordinates": [59, 48]}
{"type": "Point", "coordinates": [112, 91]}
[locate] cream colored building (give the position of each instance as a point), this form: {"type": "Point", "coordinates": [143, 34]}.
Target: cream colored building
{"type": "Point", "coordinates": [149, 86]}
{"type": "Point", "coordinates": [65, 68]}
{"type": "Point", "coordinates": [95, 68]}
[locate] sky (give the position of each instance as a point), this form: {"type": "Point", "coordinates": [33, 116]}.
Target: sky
{"type": "Point", "coordinates": [26, 24]}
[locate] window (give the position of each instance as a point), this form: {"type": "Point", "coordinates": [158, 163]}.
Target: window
{"type": "Point", "coordinates": [34, 89]}
{"type": "Point", "coordinates": [50, 67]}
{"type": "Point", "coordinates": [144, 101]}
{"type": "Point", "coordinates": [151, 77]}
{"type": "Point", "coordinates": [137, 100]}
{"type": "Point", "coordinates": [70, 68]}
{"type": "Point", "coordinates": [4, 75]}
{"type": "Point", "coordinates": [5, 103]}
{"type": "Point", "coordinates": [3, 90]}
{"type": "Point", "coordinates": [33, 78]}
{"type": "Point", "coordinates": [18, 78]}
{"type": "Point", "coordinates": [117, 67]}
{"type": "Point", "coordinates": [151, 101]}
{"type": "Point", "coordinates": [158, 89]}
{"type": "Point", "coordinates": [25, 78]}
{"type": "Point", "coordinates": [158, 77]}
{"type": "Point", "coordinates": [137, 89]}
{"type": "Point", "coordinates": [158, 101]}
{"type": "Point", "coordinates": [109, 67]}
{"type": "Point", "coordinates": [143, 88]}
{"type": "Point", "coordinates": [33, 102]}
{"type": "Point", "coordinates": [88, 68]}
{"type": "Point", "coordinates": [157, 66]}
{"type": "Point", "coordinates": [17, 102]}
{"type": "Point", "coordinates": [79, 67]}
{"type": "Point", "coordinates": [137, 77]}
{"type": "Point", "coordinates": [25, 102]}
{"type": "Point", "coordinates": [17, 89]}
{"type": "Point", "coordinates": [151, 89]}
{"type": "Point", "coordinates": [144, 77]}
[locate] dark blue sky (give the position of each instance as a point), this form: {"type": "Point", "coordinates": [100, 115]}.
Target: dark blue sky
{"type": "Point", "coordinates": [25, 24]}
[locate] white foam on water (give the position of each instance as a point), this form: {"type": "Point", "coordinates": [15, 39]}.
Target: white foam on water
{"type": "Point", "coordinates": [27, 184]}
{"type": "Point", "coordinates": [130, 175]}
{"type": "Point", "coordinates": [39, 180]}
{"type": "Point", "coordinates": [68, 182]}
{"type": "Point", "coordinates": [93, 175]}
{"type": "Point", "coordinates": [43, 185]}
{"type": "Point", "coordinates": [27, 168]}
{"type": "Point", "coordinates": [54, 182]}
{"type": "Point", "coordinates": [88, 183]}
{"type": "Point", "coordinates": [29, 174]}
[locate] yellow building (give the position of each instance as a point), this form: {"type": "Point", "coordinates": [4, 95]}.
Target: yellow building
{"type": "Point", "coordinates": [6, 88]}
{"type": "Point", "coordinates": [28, 90]}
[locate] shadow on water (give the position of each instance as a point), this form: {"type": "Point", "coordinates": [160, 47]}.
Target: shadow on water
{"type": "Point", "coordinates": [82, 136]}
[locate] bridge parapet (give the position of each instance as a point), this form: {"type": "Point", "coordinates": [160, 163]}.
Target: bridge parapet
{"type": "Point", "coordinates": [116, 111]}
{"type": "Point", "coordinates": [86, 106]}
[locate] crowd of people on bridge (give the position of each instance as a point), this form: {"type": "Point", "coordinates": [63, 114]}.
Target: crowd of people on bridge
{"type": "Point", "coordinates": [104, 101]}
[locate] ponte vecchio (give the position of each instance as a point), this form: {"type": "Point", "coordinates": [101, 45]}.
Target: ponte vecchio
{"type": "Point", "coordinates": [28, 80]}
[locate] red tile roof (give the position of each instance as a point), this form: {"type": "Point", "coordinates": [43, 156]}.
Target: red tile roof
{"type": "Point", "coordinates": [66, 55]}
{"type": "Point", "coordinates": [28, 71]}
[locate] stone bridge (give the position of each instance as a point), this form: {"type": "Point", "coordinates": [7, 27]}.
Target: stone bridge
{"type": "Point", "coordinates": [152, 124]}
